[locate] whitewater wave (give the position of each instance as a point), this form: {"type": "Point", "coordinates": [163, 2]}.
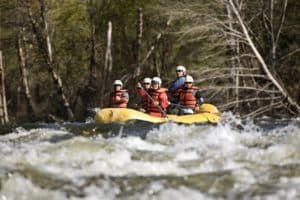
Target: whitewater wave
{"type": "Point", "coordinates": [234, 159]}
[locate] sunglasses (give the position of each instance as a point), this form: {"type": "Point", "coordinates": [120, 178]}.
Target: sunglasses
{"type": "Point", "coordinates": [179, 71]}
{"type": "Point", "coordinates": [146, 83]}
{"type": "Point", "coordinates": [187, 82]}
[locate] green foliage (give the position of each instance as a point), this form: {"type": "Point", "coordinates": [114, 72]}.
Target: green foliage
{"type": "Point", "coordinates": [194, 38]}
{"type": "Point", "coordinates": [70, 40]}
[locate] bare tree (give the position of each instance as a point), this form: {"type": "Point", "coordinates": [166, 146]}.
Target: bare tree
{"type": "Point", "coordinates": [233, 43]}
{"type": "Point", "coordinates": [3, 105]}
{"type": "Point", "coordinates": [45, 47]}
{"type": "Point", "coordinates": [22, 53]}
{"type": "Point", "coordinates": [139, 36]}
{"type": "Point", "coordinates": [154, 44]}
{"type": "Point", "coordinates": [275, 34]}
{"type": "Point", "coordinates": [260, 58]}
{"type": "Point", "coordinates": [108, 55]}
{"type": "Point", "coordinates": [108, 62]}
{"type": "Point", "coordinates": [246, 83]}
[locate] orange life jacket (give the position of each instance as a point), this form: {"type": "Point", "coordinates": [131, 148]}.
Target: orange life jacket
{"type": "Point", "coordinates": [187, 97]}
{"type": "Point", "coordinates": [122, 103]}
{"type": "Point", "coordinates": [159, 95]}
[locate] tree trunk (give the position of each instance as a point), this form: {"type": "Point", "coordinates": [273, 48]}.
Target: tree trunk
{"type": "Point", "coordinates": [3, 105]}
{"type": "Point", "coordinates": [157, 64]}
{"type": "Point", "coordinates": [108, 62]}
{"type": "Point", "coordinates": [44, 43]}
{"type": "Point", "coordinates": [108, 55]}
{"type": "Point", "coordinates": [89, 93]}
{"type": "Point", "coordinates": [92, 67]}
{"type": "Point", "coordinates": [234, 51]}
{"type": "Point", "coordinates": [24, 75]}
{"type": "Point", "coordinates": [275, 35]}
{"type": "Point", "coordinates": [139, 34]}
{"type": "Point", "coordinates": [264, 66]}
{"type": "Point", "coordinates": [155, 43]}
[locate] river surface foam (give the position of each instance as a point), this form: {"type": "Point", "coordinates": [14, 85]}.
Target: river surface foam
{"type": "Point", "coordinates": [233, 160]}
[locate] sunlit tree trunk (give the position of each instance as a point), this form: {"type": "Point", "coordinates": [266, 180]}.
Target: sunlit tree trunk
{"type": "Point", "coordinates": [108, 55]}
{"type": "Point", "coordinates": [24, 74]}
{"type": "Point", "coordinates": [3, 105]}
{"type": "Point", "coordinates": [106, 72]}
{"type": "Point", "coordinates": [139, 42]}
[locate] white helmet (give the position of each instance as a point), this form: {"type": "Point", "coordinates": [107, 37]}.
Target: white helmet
{"type": "Point", "coordinates": [180, 67]}
{"type": "Point", "coordinates": [189, 79]}
{"type": "Point", "coordinates": [118, 82]}
{"type": "Point", "coordinates": [147, 80]}
{"type": "Point", "coordinates": [156, 79]}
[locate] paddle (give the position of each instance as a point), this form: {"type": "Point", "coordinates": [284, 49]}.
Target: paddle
{"type": "Point", "coordinates": [159, 107]}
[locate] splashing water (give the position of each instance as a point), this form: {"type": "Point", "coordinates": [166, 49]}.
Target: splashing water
{"type": "Point", "coordinates": [233, 160]}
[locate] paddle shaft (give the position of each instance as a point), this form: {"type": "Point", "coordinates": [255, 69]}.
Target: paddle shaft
{"type": "Point", "coordinates": [159, 107]}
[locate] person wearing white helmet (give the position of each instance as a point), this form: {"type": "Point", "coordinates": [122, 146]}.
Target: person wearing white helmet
{"type": "Point", "coordinates": [143, 90]}
{"type": "Point", "coordinates": [147, 83]}
{"type": "Point", "coordinates": [177, 83]}
{"type": "Point", "coordinates": [181, 68]}
{"type": "Point", "coordinates": [119, 97]}
{"type": "Point", "coordinates": [158, 102]}
{"type": "Point", "coordinates": [156, 81]}
{"type": "Point", "coordinates": [189, 96]}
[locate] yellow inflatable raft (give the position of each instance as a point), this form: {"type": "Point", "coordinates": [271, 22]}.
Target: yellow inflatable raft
{"type": "Point", "coordinates": [207, 113]}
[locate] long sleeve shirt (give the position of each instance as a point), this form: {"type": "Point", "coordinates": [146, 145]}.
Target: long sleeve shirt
{"type": "Point", "coordinates": [176, 84]}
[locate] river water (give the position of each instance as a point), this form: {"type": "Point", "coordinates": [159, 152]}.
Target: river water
{"type": "Point", "coordinates": [233, 160]}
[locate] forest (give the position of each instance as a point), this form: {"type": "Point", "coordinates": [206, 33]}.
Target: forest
{"type": "Point", "coordinates": [59, 58]}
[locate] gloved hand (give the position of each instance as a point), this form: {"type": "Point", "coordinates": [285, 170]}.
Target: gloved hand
{"type": "Point", "coordinates": [118, 98]}
{"type": "Point", "coordinates": [139, 85]}
{"type": "Point", "coordinates": [200, 100]}
{"type": "Point", "coordinates": [156, 103]}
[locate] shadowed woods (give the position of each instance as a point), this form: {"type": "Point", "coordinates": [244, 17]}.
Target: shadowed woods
{"type": "Point", "coordinates": [60, 58]}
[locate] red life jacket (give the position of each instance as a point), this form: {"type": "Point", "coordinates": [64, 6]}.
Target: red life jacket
{"type": "Point", "coordinates": [145, 99]}
{"type": "Point", "coordinates": [159, 95]}
{"type": "Point", "coordinates": [122, 103]}
{"type": "Point", "coordinates": [187, 97]}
